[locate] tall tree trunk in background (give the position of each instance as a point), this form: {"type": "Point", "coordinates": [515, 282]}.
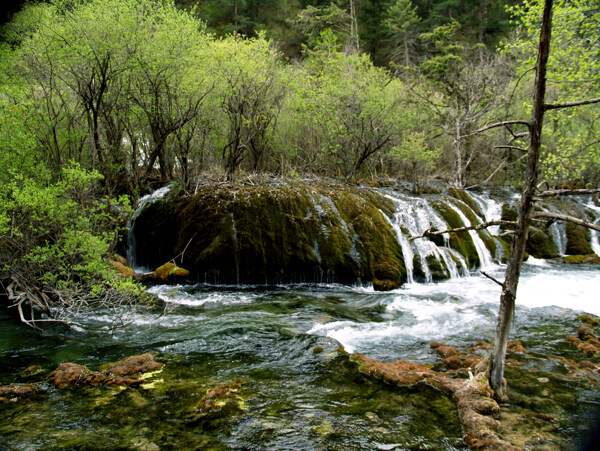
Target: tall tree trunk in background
{"type": "Point", "coordinates": [513, 270]}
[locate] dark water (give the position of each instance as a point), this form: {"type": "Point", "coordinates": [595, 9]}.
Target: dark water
{"type": "Point", "coordinates": [298, 391]}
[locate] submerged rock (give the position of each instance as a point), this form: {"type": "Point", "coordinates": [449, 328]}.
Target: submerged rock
{"type": "Point", "coordinates": [219, 401]}
{"type": "Point", "coordinates": [15, 392]}
{"type": "Point", "coordinates": [72, 374]}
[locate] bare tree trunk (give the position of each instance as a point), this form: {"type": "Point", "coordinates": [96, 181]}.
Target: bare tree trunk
{"type": "Point", "coordinates": [513, 270]}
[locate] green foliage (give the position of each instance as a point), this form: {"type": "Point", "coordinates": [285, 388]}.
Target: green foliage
{"type": "Point", "coordinates": [415, 157]}
{"type": "Point", "coordinates": [58, 235]}
{"type": "Point", "coordinates": [572, 153]}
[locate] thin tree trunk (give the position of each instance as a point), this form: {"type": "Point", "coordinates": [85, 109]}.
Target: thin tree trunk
{"type": "Point", "coordinates": [513, 270]}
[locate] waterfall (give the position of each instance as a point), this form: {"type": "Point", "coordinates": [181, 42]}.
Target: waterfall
{"type": "Point", "coordinates": [131, 243]}
{"type": "Point", "coordinates": [412, 217]}
{"type": "Point", "coordinates": [485, 258]}
{"type": "Point", "coordinates": [594, 234]}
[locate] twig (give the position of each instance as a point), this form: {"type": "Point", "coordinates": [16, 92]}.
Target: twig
{"type": "Point", "coordinates": [483, 225]}
{"type": "Point", "coordinates": [492, 278]}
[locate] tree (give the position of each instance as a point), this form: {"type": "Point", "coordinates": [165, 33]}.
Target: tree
{"type": "Point", "coordinates": [401, 20]}
{"type": "Point", "coordinates": [517, 250]}
{"type": "Point", "coordinates": [463, 85]}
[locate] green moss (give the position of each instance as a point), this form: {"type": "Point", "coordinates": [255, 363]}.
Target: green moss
{"type": "Point", "coordinates": [459, 241]}
{"type": "Point", "coordinates": [540, 244]}
{"type": "Point", "coordinates": [438, 271]}
{"type": "Point", "coordinates": [295, 232]}
{"type": "Point", "coordinates": [465, 197]}
{"type": "Point", "coordinates": [578, 240]}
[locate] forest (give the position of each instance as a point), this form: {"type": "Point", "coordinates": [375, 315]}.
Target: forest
{"type": "Point", "coordinates": [302, 141]}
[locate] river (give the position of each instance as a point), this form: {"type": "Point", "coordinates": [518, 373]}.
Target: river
{"type": "Point", "coordinates": [299, 392]}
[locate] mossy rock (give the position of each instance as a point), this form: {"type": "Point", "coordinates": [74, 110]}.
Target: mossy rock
{"type": "Point", "coordinates": [590, 259]}
{"type": "Point", "coordinates": [438, 271]}
{"type": "Point", "coordinates": [169, 272]}
{"type": "Point", "coordinates": [292, 232]}
{"type": "Point", "coordinates": [465, 197]}
{"type": "Point", "coordinates": [462, 242]}
{"type": "Point", "coordinates": [540, 244]}
{"type": "Point", "coordinates": [578, 240]}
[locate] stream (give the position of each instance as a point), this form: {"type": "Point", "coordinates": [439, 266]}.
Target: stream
{"type": "Point", "coordinates": [299, 391]}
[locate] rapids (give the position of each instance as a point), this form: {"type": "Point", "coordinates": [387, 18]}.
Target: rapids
{"type": "Point", "coordinates": [281, 341]}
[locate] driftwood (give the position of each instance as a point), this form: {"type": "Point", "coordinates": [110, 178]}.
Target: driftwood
{"type": "Point", "coordinates": [483, 225]}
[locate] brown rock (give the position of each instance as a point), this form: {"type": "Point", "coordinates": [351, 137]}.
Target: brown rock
{"type": "Point", "coordinates": [435, 344]}
{"type": "Point", "coordinates": [446, 351]}
{"type": "Point", "coordinates": [588, 348]}
{"type": "Point", "coordinates": [483, 345]}
{"type": "Point", "coordinates": [587, 365]}
{"type": "Point", "coordinates": [136, 364]}
{"type": "Point", "coordinates": [574, 340]}
{"type": "Point", "coordinates": [453, 362]}
{"type": "Point", "coordinates": [17, 391]}
{"type": "Point", "coordinates": [516, 347]}
{"type": "Point", "coordinates": [471, 361]}
{"type": "Point", "coordinates": [69, 374]}
{"type": "Point", "coordinates": [586, 332]}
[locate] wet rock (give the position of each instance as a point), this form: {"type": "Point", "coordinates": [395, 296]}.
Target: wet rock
{"type": "Point", "coordinates": [219, 401]}
{"type": "Point", "coordinates": [516, 347]}
{"type": "Point", "coordinates": [16, 392]}
{"type": "Point", "coordinates": [170, 272]}
{"type": "Point", "coordinates": [588, 348]}
{"type": "Point", "coordinates": [385, 285]}
{"type": "Point", "coordinates": [588, 320]}
{"type": "Point", "coordinates": [31, 372]}
{"type": "Point", "coordinates": [472, 361]}
{"type": "Point", "coordinates": [400, 372]}
{"type": "Point", "coordinates": [586, 332]}
{"type": "Point", "coordinates": [135, 364]}
{"type": "Point", "coordinates": [72, 374]}
{"type": "Point", "coordinates": [586, 364]}
{"type": "Point", "coordinates": [482, 345]}
{"type": "Point", "coordinates": [589, 259]}
{"type": "Point", "coordinates": [443, 350]}
{"type": "Point", "coordinates": [453, 362]}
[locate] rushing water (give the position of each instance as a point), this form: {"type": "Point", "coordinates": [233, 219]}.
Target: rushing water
{"type": "Point", "coordinates": [296, 396]}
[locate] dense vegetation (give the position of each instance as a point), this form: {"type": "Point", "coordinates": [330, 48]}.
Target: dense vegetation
{"type": "Point", "coordinates": [101, 98]}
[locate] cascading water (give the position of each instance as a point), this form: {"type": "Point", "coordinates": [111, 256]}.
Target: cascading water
{"type": "Point", "coordinates": [595, 235]}
{"type": "Point", "coordinates": [412, 217]}
{"type": "Point", "coordinates": [485, 257]}
{"type": "Point", "coordinates": [131, 243]}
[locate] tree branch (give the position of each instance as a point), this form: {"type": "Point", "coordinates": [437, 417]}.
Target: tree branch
{"type": "Point", "coordinates": [492, 278]}
{"type": "Point", "coordinates": [563, 192]}
{"type": "Point", "coordinates": [483, 225]}
{"type": "Point", "coordinates": [555, 106]}
{"type": "Point", "coordinates": [501, 124]}
{"type": "Point", "coordinates": [561, 217]}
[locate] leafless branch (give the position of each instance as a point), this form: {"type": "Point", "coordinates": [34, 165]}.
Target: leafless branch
{"type": "Point", "coordinates": [567, 218]}
{"type": "Point", "coordinates": [555, 106]}
{"type": "Point", "coordinates": [483, 225]}
{"type": "Point", "coordinates": [492, 278]}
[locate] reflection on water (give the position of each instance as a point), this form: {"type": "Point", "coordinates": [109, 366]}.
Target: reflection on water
{"type": "Point", "coordinates": [299, 392]}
